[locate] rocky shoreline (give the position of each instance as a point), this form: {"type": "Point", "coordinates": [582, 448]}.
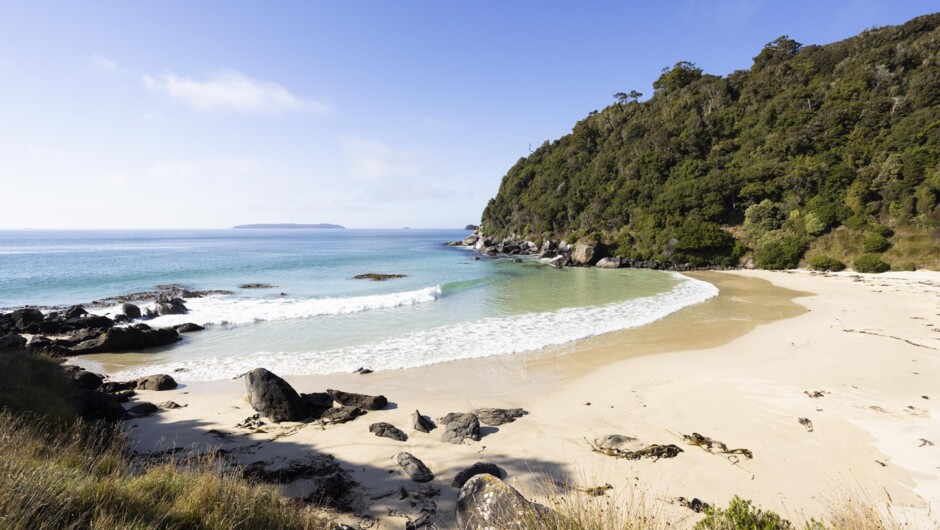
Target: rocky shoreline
{"type": "Point", "coordinates": [560, 254]}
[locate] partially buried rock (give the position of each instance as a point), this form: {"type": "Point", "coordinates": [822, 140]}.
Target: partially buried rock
{"type": "Point", "coordinates": [497, 417]}
{"type": "Point", "coordinates": [414, 468]}
{"type": "Point", "coordinates": [341, 414]}
{"type": "Point", "coordinates": [486, 502]}
{"type": "Point", "coordinates": [478, 468]}
{"type": "Point", "coordinates": [143, 409]}
{"type": "Point", "coordinates": [273, 397]}
{"type": "Point", "coordinates": [422, 423]}
{"type": "Point", "coordinates": [358, 400]}
{"type": "Point", "coordinates": [362, 371]}
{"type": "Point", "coordinates": [169, 405]}
{"type": "Point", "coordinates": [156, 382]}
{"type": "Point", "coordinates": [460, 427]}
{"type": "Point", "coordinates": [188, 327]}
{"type": "Point", "coordinates": [387, 430]}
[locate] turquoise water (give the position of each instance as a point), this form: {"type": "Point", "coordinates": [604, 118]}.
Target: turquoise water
{"type": "Point", "coordinates": [318, 319]}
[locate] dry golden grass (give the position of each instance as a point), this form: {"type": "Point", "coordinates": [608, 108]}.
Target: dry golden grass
{"type": "Point", "coordinates": [80, 477]}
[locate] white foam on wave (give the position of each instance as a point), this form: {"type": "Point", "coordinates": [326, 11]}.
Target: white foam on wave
{"type": "Point", "coordinates": [240, 311]}
{"type": "Point", "coordinates": [481, 338]}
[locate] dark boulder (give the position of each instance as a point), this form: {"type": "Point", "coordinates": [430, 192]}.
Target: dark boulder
{"type": "Point", "coordinates": [12, 343]}
{"type": "Point", "coordinates": [130, 310]}
{"type": "Point", "coordinates": [168, 305]}
{"type": "Point", "coordinates": [497, 417]}
{"type": "Point", "coordinates": [94, 405]}
{"type": "Point", "coordinates": [143, 408]}
{"type": "Point", "coordinates": [188, 327]}
{"type": "Point", "coordinates": [274, 398]}
{"type": "Point", "coordinates": [129, 338]}
{"type": "Point", "coordinates": [27, 319]}
{"type": "Point", "coordinates": [486, 502]}
{"type": "Point", "coordinates": [358, 400]}
{"type": "Point", "coordinates": [478, 468]}
{"type": "Point", "coordinates": [460, 427]}
{"type": "Point", "coordinates": [422, 423]}
{"type": "Point", "coordinates": [341, 414]}
{"type": "Point", "coordinates": [118, 386]}
{"type": "Point", "coordinates": [87, 380]}
{"type": "Point", "coordinates": [414, 468]}
{"type": "Point", "coordinates": [387, 430]}
{"type": "Point", "coordinates": [319, 402]}
{"type": "Point", "coordinates": [155, 382]}
{"type": "Point", "coordinates": [76, 311]}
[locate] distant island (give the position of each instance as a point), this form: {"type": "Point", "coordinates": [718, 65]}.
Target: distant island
{"type": "Point", "coordinates": [291, 225]}
{"type": "Point", "coordinates": [471, 227]}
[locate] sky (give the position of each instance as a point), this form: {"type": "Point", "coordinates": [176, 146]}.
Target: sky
{"type": "Point", "coordinates": [370, 114]}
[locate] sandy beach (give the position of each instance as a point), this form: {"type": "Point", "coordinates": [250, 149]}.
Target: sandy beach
{"type": "Point", "coordinates": [742, 368]}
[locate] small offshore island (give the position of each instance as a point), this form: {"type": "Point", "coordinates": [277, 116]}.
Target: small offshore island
{"type": "Point", "coordinates": [747, 336]}
{"type": "Point", "coordinates": [325, 226]}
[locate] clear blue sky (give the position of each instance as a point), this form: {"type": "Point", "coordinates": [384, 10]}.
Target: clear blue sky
{"type": "Point", "coordinates": [368, 114]}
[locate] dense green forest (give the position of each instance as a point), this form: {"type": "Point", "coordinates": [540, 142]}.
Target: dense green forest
{"type": "Point", "coordinates": [815, 153]}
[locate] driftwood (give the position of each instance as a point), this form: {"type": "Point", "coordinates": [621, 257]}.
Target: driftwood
{"type": "Point", "coordinates": [714, 446]}
{"type": "Point", "coordinates": [654, 451]}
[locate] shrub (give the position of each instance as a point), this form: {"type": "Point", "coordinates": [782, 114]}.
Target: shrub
{"type": "Point", "coordinates": [741, 515]}
{"type": "Point", "coordinates": [778, 253]}
{"type": "Point", "coordinates": [906, 266]}
{"type": "Point", "coordinates": [814, 226]}
{"type": "Point", "coordinates": [880, 229]}
{"type": "Point", "coordinates": [875, 243]}
{"type": "Point", "coordinates": [870, 263]}
{"type": "Point", "coordinates": [825, 263]}
{"type": "Point", "coordinates": [761, 218]}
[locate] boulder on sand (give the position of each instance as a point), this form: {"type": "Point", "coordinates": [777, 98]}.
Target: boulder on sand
{"type": "Point", "coordinates": [155, 382]}
{"type": "Point", "coordinates": [459, 427]}
{"type": "Point", "coordinates": [387, 430]}
{"type": "Point", "coordinates": [274, 398]}
{"type": "Point", "coordinates": [414, 467]}
{"type": "Point", "coordinates": [422, 423]}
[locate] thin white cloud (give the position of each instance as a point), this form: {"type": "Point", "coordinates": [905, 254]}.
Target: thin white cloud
{"type": "Point", "coordinates": [178, 169]}
{"type": "Point", "coordinates": [231, 91]}
{"type": "Point", "coordinates": [103, 66]}
{"type": "Point", "coordinates": [375, 160]}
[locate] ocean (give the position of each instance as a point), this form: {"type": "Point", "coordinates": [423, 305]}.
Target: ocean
{"type": "Point", "coordinates": [317, 319]}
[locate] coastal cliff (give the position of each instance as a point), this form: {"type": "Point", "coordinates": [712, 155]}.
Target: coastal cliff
{"type": "Point", "coordinates": [828, 153]}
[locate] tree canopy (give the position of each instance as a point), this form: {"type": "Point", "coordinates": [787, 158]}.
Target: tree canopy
{"type": "Point", "coordinates": [809, 139]}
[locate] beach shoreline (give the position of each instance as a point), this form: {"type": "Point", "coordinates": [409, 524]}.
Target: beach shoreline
{"type": "Point", "coordinates": [707, 369]}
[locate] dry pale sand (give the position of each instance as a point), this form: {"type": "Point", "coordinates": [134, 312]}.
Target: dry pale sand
{"type": "Point", "coordinates": [735, 368]}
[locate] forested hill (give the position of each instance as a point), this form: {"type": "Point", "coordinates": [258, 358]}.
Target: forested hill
{"type": "Point", "coordinates": [814, 150]}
